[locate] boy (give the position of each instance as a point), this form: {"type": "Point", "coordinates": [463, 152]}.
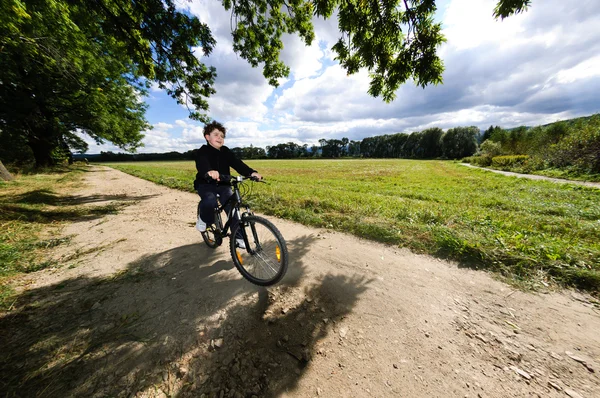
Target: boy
{"type": "Point", "coordinates": [212, 160]}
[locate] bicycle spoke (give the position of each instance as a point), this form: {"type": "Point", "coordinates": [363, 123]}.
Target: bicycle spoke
{"type": "Point", "coordinates": [266, 263]}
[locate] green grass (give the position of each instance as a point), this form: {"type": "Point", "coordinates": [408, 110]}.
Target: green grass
{"type": "Point", "coordinates": [569, 174]}
{"type": "Point", "coordinates": [33, 207]}
{"type": "Point", "coordinates": [529, 231]}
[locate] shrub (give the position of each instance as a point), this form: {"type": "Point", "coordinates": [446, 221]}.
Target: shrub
{"type": "Point", "coordinates": [490, 148]}
{"type": "Point", "coordinates": [509, 160]}
{"type": "Point", "coordinates": [482, 160]}
{"type": "Point", "coordinates": [581, 148]}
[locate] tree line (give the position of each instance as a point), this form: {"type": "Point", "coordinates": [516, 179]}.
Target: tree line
{"type": "Point", "coordinates": [572, 145]}
{"type": "Point", "coordinates": [456, 143]}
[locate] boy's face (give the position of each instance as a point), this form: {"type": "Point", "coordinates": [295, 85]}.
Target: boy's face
{"type": "Point", "coordinates": [216, 138]}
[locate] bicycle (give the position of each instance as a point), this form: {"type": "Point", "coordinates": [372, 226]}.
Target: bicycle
{"type": "Point", "coordinates": [264, 260]}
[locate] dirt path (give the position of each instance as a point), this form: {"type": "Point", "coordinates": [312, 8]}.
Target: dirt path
{"type": "Point", "coordinates": [536, 177]}
{"type": "Point", "coordinates": [143, 308]}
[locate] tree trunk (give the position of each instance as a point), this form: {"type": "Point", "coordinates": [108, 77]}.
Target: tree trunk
{"type": "Point", "coordinates": [4, 174]}
{"type": "Point", "coordinates": [42, 151]}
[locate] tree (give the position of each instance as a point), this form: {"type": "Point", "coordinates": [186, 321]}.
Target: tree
{"type": "Point", "coordinates": [57, 81]}
{"type": "Point", "coordinates": [81, 65]}
{"type": "Point", "coordinates": [487, 134]}
{"type": "Point", "coordinates": [430, 144]}
{"type": "Point", "coordinates": [253, 152]}
{"type": "Point", "coordinates": [238, 152]}
{"type": "Point", "coordinates": [288, 150]}
{"type": "Point", "coordinates": [4, 174]}
{"type": "Point", "coordinates": [490, 148]}
{"type": "Point", "coordinates": [411, 148]}
{"type": "Point", "coordinates": [460, 142]}
{"type": "Point", "coordinates": [332, 148]}
{"type": "Point", "coordinates": [354, 148]}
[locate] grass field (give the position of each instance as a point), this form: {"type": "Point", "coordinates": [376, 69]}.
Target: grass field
{"type": "Point", "coordinates": [532, 232]}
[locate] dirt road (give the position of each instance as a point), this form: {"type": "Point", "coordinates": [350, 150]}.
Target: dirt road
{"type": "Point", "coordinates": [141, 307]}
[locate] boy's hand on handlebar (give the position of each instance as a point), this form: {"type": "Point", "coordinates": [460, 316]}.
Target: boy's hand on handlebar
{"type": "Point", "coordinates": [214, 174]}
{"type": "Point", "coordinates": [257, 176]}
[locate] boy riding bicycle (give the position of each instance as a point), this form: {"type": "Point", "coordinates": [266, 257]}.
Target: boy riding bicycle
{"type": "Point", "coordinates": [212, 160]}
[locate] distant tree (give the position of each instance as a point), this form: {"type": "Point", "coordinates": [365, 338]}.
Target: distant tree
{"type": "Point", "coordinates": [411, 148]}
{"type": "Point", "coordinates": [500, 136]}
{"type": "Point", "coordinates": [345, 142]}
{"type": "Point", "coordinates": [315, 151]}
{"type": "Point", "coordinates": [395, 145]}
{"type": "Point", "coordinates": [354, 148]}
{"type": "Point", "coordinates": [239, 152]}
{"type": "Point", "coordinates": [253, 152]}
{"type": "Point", "coordinates": [430, 144]}
{"type": "Point", "coordinates": [333, 148]}
{"type": "Point", "coordinates": [516, 140]}
{"type": "Point", "coordinates": [287, 150]}
{"type": "Point", "coordinates": [367, 147]}
{"type": "Point", "coordinates": [460, 142]}
{"type": "Point", "coordinates": [489, 132]}
{"type": "Point", "coordinates": [304, 151]}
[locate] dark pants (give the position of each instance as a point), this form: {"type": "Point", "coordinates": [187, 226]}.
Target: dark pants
{"type": "Point", "coordinates": [208, 202]}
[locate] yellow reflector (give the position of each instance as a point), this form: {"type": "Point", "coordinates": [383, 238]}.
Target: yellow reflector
{"type": "Point", "coordinates": [278, 253]}
{"type": "Point", "coordinates": [239, 257]}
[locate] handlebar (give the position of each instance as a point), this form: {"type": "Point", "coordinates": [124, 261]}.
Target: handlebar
{"type": "Point", "coordinates": [226, 178]}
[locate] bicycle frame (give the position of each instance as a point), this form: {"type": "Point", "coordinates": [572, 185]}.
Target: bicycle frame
{"type": "Point", "coordinates": [234, 203]}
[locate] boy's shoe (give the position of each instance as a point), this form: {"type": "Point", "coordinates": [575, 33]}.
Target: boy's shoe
{"type": "Point", "coordinates": [200, 225]}
{"type": "Point", "coordinates": [240, 243]}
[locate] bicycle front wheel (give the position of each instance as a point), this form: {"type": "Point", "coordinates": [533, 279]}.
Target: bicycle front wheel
{"type": "Point", "coordinates": [265, 259]}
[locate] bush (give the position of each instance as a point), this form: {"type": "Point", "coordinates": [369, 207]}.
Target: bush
{"type": "Point", "coordinates": [482, 160]}
{"type": "Point", "coordinates": [581, 148]}
{"type": "Point", "coordinates": [490, 148]}
{"type": "Point", "coordinates": [509, 160]}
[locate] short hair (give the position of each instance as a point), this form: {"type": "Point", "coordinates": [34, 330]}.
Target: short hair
{"type": "Point", "coordinates": [208, 128]}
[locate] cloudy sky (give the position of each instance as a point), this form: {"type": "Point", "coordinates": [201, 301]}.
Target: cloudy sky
{"type": "Point", "coordinates": [534, 68]}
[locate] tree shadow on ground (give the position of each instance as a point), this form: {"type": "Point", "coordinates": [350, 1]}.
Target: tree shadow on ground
{"type": "Point", "coordinates": [182, 322]}
{"type": "Point", "coordinates": [45, 206]}
{"type": "Point", "coordinates": [48, 197]}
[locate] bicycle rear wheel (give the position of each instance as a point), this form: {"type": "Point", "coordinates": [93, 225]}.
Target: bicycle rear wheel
{"type": "Point", "coordinates": [211, 236]}
{"type": "Point", "coordinates": [265, 261]}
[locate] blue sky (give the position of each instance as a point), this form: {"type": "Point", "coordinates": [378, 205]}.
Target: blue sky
{"type": "Point", "coordinates": [534, 68]}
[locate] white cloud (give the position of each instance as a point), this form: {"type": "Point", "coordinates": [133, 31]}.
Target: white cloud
{"type": "Point", "coordinates": [469, 24]}
{"type": "Point", "coordinates": [184, 123]}
{"type": "Point", "coordinates": [154, 87]}
{"type": "Point", "coordinates": [193, 135]}
{"type": "Point", "coordinates": [584, 70]}
{"type": "Point", "coordinates": [163, 126]}
{"type": "Point", "coordinates": [304, 61]}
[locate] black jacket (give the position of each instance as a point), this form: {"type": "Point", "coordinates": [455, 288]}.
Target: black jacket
{"type": "Point", "coordinates": [210, 158]}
